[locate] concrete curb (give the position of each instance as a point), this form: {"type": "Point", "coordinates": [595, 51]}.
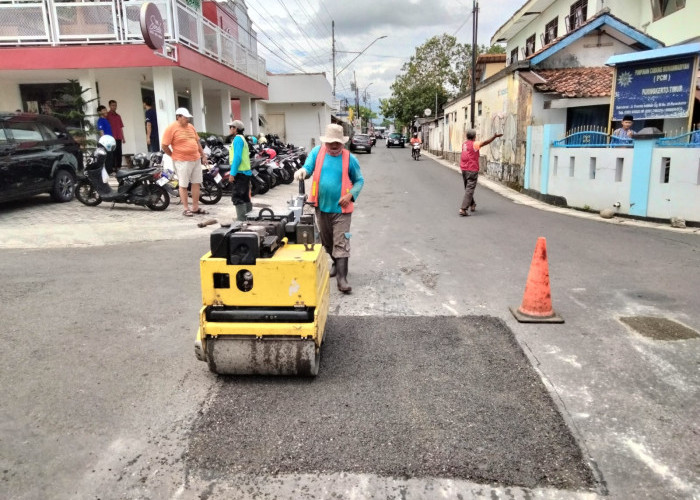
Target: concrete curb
{"type": "Point", "coordinates": [523, 199]}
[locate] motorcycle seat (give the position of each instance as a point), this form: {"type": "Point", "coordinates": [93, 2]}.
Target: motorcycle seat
{"type": "Point", "coordinates": [122, 173]}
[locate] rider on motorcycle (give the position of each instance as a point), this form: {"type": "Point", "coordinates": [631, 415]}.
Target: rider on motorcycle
{"type": "Point", "coordinates": [415, 139]}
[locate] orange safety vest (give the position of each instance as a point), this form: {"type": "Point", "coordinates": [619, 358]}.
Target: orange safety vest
{"type": "Point", "coordinates": [346, 184]}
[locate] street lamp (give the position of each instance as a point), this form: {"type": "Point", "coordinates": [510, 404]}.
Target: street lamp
{"type": "Point", "coordinates": [335, 75]}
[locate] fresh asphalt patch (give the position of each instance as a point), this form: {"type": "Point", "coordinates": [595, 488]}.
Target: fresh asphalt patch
{"type": "Point", "coordinates": [401, 397]}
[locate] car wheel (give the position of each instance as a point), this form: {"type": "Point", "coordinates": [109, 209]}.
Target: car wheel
{"type": "Point", "coordinates": [63, 186]}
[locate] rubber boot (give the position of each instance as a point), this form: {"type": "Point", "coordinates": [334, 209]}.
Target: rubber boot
{"type": "Point", "coordinates": [334, 270]}
{"type": "Point", "coordinates": [341, 265]}
{"type": "Point", "coordinates": [248, 207]}
{"type": "Point", "coordinates": [240, 212]}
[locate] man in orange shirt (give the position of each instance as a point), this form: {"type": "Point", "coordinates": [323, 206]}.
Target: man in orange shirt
{"type": "Point", "coordinates": [181, 143]}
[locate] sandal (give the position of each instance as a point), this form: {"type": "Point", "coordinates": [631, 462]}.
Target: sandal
{"type": "Point", "coordinates": [463, 213]}
{"type": "Point", "coordinates": [188, 213]}
{"type": "Point", "coordinates": [200, 211]}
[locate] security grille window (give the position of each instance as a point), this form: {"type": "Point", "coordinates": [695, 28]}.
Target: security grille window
{"type": "Point", "coordinates": [550, 30]}
{"type": "Point", "coordinates": [530, 46]}
{"type": "Point", "coordinates": [514, 55]}
{"type": "Point", "coordinates": [663, 8]}
{"type": "Point", "coordinates": [578, 13]}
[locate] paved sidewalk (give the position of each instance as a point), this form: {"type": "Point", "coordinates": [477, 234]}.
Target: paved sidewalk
{"type": "Point", "coordinates": [524, 199]}
{"type": "Point", "coordinates": [40, 223]}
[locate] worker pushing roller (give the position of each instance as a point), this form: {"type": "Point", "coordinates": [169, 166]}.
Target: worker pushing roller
{"type": "Point", "coordinates": [266, 282]}
{"type": "Point", "coordinates": [336, 184]}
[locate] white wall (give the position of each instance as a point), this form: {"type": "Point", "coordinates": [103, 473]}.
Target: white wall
{"type": "Point", "coordinates": [680, 197]}
{"type": "Point", "coordinates": [297, 88]}
{"type": "Point", "coordinates": [10, 99]}
{"type": "Point", "coordinates": [304, 123]}
{"type": "Point", "coordinates": [580, 190]}
{"type": "Point", "coordinates": [127, 92]}
{"type": "Point", "coordinates": [673, 29]}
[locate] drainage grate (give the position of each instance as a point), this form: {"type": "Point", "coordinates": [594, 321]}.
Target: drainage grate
{"type": "Point", "coordinates": [659, 328]}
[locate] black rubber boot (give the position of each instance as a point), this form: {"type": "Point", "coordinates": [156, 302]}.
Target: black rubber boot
{"type": "Point", "coordinates": [341, 265]}
{"type": "Point", "coordinates": [334, 270]}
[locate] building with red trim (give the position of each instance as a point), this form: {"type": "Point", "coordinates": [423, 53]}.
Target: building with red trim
{"type": "Point", "coordinates": [209, 63]}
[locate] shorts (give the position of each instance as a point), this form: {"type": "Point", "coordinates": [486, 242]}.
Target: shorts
{"type": "Point", "coordinates": [188, 172]}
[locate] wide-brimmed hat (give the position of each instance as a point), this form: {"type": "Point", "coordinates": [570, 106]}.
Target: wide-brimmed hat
{"type": "Point", "coordinates": [183, 112]}
{"type": "Point", "coordinates": [238, 124]}
{"type": "Point", "coordinates": [334, 133]}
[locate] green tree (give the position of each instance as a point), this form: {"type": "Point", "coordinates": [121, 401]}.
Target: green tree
{"type": "Point", "coordinates": [439, 70]}
{"type": "Point", "coordinates": [74, 117]}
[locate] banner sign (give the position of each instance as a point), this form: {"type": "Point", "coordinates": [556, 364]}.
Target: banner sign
{"type": "Point", "coordinates": [658, 89]}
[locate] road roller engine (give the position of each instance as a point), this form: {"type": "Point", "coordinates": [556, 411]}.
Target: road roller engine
{"type": "Point", "coordinates": [265, 296]}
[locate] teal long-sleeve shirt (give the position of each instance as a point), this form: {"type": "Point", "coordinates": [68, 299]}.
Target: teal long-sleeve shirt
{"type": "Point", "coordinates": [331, 179]}
{"type": "Point", "coordinates": [238, 148]}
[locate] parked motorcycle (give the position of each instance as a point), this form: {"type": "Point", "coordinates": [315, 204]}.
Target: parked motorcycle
{"type": "Point", "coordinates": [135, 186]}
{"type": "Point", "coordinates": [210, 191]}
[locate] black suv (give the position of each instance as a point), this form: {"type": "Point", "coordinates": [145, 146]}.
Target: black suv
{"type": "Point", "coordinates": [395, 139]}
{"type": "Point", "coordinates": [37, 155]}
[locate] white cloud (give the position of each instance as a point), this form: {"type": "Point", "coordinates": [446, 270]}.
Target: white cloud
{"type": "Point", "coordinates": [303, 40]}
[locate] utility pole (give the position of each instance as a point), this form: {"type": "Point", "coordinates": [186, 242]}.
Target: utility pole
{"type": "Point", "coordinates": [333, 36]}
{"type": "Point", "coordinates": [475, 22]}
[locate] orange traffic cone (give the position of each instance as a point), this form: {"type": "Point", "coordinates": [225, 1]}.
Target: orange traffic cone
{"type": "Point", "coordinates": [537, 300]}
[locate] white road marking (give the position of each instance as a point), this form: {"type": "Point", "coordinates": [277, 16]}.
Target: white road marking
{"type": "Point", "coordinates": [663, 470]}
{"type": "Point", "coordinates": [452, 310]}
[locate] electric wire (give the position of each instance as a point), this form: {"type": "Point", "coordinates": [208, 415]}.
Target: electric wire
{"type": "Point", "coordinates": [282, 35]}
{"type": "Point", "coordinates": [315, 21]}
{"type": "Point", "coordinates": [265, 46]}
{"type": "Point", "coordinates": [301, 32]}
{"type": "Point", "coordinates": [308, 59]}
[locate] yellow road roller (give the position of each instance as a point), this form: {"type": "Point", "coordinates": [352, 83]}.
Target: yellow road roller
{"type": "Point", "coordinates": [265, 297]}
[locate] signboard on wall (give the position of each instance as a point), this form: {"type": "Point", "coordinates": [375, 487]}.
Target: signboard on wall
{"type": "Point", "coordinates": [656, 89]}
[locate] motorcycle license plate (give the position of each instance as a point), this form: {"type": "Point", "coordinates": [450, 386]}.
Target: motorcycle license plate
{"type": "Point", "coordinates": [162, 181]}
{"type": "Point", "coordinates": [218, 178]}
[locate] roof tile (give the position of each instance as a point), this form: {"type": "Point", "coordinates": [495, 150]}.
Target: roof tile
{"type": "Point", "coordinates": [577, 82]}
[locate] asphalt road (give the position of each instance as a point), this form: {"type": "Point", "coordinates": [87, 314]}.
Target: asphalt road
{"type": "Point", "coordinates": [105, 399]}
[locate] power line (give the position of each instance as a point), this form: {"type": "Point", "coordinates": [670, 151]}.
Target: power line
{"type": "Point", "coordinates": [258, 41]}
{"type": "Point", "coordinates": [312, 20]}
{"type": "Point", "coordinates": [301, 32]}
{"type": "Point", "coordinates": [326, 9]}
{"type": "Point", "coordinates": [282, 35]}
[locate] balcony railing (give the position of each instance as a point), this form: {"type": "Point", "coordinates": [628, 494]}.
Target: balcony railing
{"type": "Point", "coordinates": [106, 22]}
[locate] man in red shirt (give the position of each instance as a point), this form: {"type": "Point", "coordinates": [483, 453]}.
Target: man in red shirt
{"type": "Point", "coordinates": [117, 125]}
{"type": "Point", "coordinates": [469, 164]}
{"type": "Point", "coordinates": [181, 142]}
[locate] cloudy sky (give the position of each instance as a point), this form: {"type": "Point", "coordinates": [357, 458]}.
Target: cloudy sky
{"type": "Point", "coordinates": [295, 35]}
